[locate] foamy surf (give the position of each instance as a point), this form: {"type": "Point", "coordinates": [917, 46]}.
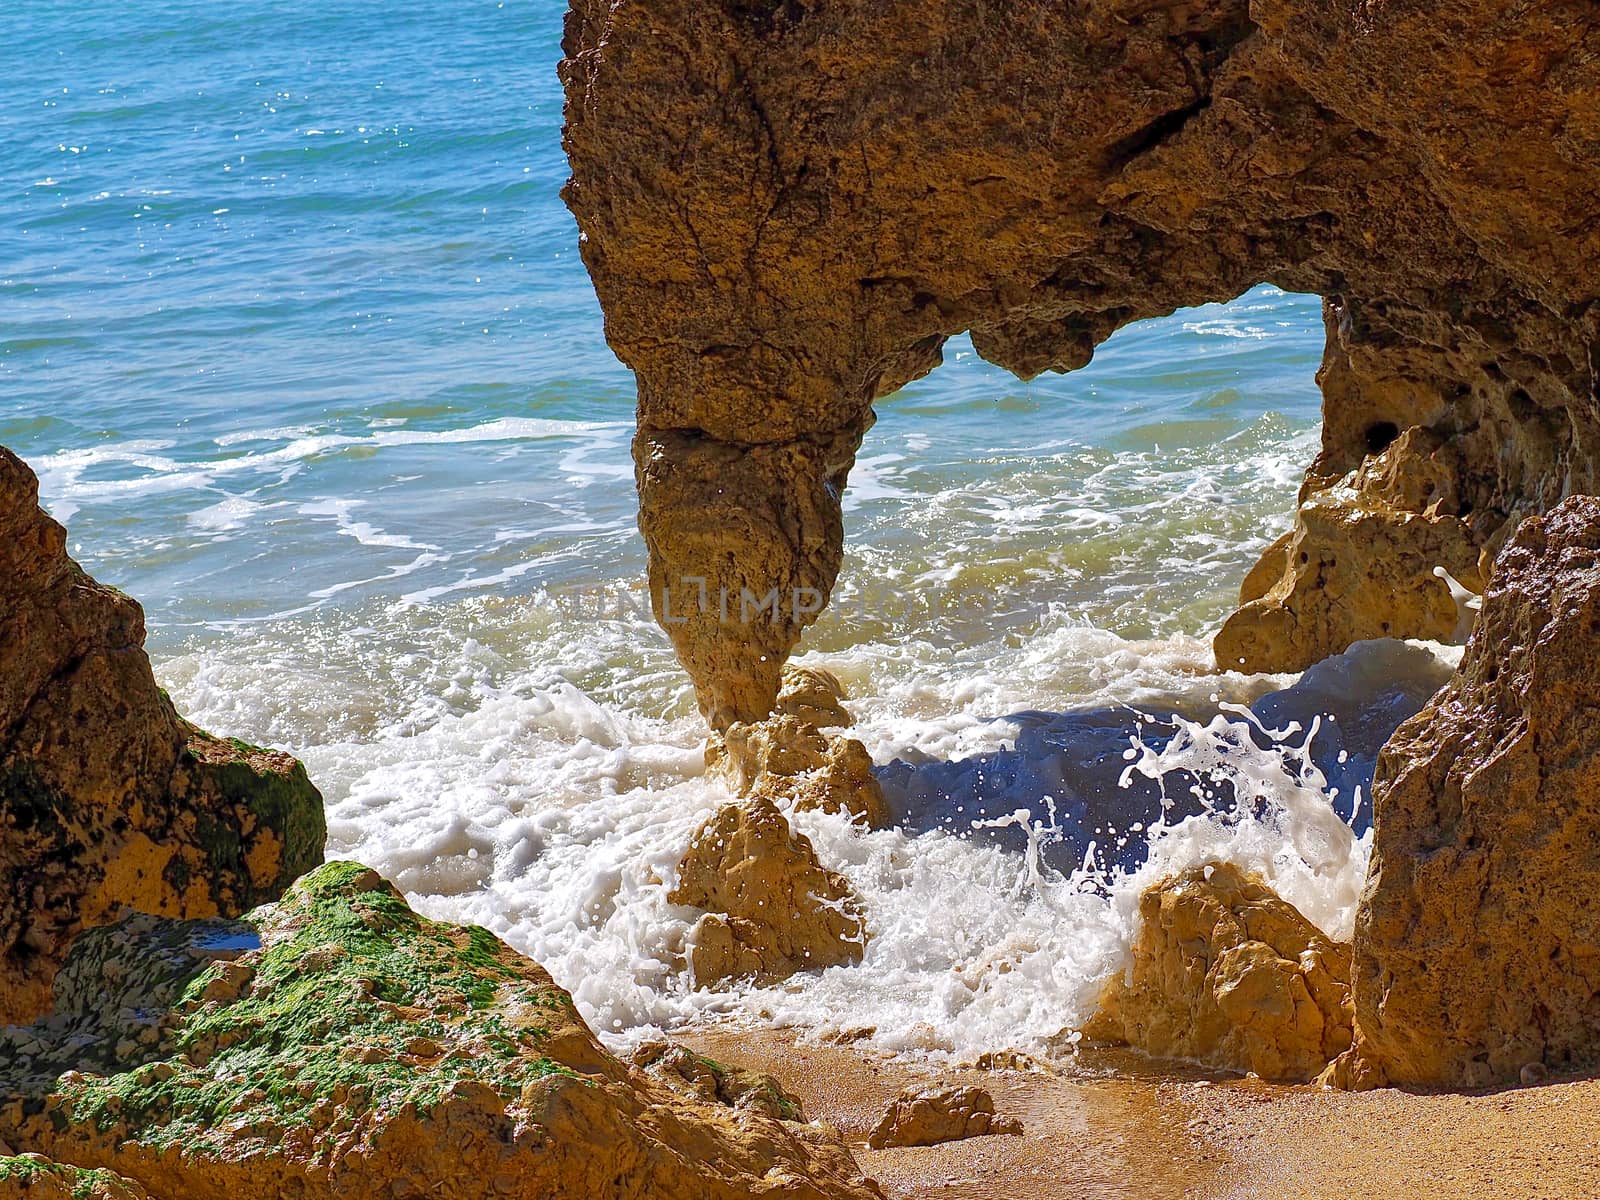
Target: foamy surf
{"type": "Point", "coordinates": [553, 803]}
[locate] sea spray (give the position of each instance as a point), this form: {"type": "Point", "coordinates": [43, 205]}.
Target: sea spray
{"type": "Point", "coordinates": [547, 803]}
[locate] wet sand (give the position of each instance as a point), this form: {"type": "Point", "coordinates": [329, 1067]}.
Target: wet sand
{"type": "Point", "coordinates": [1536, 1143]}
{"type": "Point", "coordinates": [1115, 1125]}
{"type": "Point", "coordinates": [1102, 1133]}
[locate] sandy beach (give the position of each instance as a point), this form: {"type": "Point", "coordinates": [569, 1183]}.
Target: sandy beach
{"type": "Point", "coordinates": [1114, 1125]}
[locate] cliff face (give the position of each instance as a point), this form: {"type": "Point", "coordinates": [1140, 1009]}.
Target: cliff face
{"type": "Point", "coordinates": [787, 207]}
{"type": "Point", "coordinates": [107, 796]}
{"type": "Point", "coordinates": [1477, 947]}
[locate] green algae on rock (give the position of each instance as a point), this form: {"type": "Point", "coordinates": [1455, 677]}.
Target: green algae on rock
{"type": "Point", "coordinates": [336, 1043]}
{"type": "Point", "coordinates": [108, 798]}
{"type": "Point", "coordinates": [33, 1177]}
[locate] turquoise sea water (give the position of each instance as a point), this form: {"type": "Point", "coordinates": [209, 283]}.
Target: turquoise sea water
{"type": "Point", "coordinates": [294, 331]}
{"type": "Point", "coordinates": [291, 304]}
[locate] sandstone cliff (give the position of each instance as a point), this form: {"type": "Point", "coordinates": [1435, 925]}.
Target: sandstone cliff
{"type": "Point", "coordinates": [788, 207]}
{"type": "Point", "coordinates": [108, 797]}
{"type": "Point", "coordinates": [338, 1045]}
{"type": "Point", "coordinates": [1477, 946]}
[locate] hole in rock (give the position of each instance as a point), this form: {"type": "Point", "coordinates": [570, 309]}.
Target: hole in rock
{"type": "Point", "coordinates": [1380, 436]}
{"type": "Point", "coordinates": [1106, 516]}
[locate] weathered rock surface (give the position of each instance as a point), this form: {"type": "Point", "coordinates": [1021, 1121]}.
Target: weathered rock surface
{"type": "Point", "coordinates": [815, 696]}
{"type": "Point", "coordinates": [694, 1074]}
{"type": "Point", "coordinates": [927, 1117]}
{"type": "Point", "coordinates": [108, 797]}
{"type": "Point", "coordinates": [787, 208]}
{"type": "Point", "coordinates": [34, 1177]}
{"type": "Point", "coordinates": [338, 1045]}
{"type": "Point", "coordinates": [791, 760]}
{"type": "Point", "coordinates": [1226, 973]}
{"type": "Point", "coordinates": [772, 908]}
{"type": "Point", "coordinates": [1360, 563]}
{"type": "Point", "coordinates": [1477, 944]}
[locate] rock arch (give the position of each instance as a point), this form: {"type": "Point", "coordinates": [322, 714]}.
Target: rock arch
{"type": "Point", "coordinates": [788, 205]}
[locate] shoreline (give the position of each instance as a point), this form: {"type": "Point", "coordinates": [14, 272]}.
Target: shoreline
{"type": "Point", "coordinates": [1115, 1124]}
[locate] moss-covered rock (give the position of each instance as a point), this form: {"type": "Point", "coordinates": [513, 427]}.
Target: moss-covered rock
{"type": "Point", "coordinates": [336, 1043]}
{"type": "Point", "coordinates": [107, 797]}
{"type": "Point", "coordinates": [33, 1177]}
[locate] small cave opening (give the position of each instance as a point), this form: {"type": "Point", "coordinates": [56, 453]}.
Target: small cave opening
{"type": "Point", "coordinates": [1380, 435]}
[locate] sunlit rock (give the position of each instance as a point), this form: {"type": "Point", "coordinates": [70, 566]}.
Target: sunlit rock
{"type": "Point", "coordinates": [706, 1079]}
{"type": "Point", "coordinates": [108, 798]}
{"type": "Point", "coordinates": [815, 696]}
{"type": "Point", "coordinates": [797, 766]}
{"type": "Point", "coordinates": [338, 1045]}
{"type": "Point", "coordinates": [1226, 973]}
{"type": "Point", "coordinates": [1395, 519]}
{"type": "Point", "coordinates": [1477, 944]}
{"type": "Point", "coordinates": [772, 908]}
{"type": "Point", "coordinates": [929, 1116]}
{"type": "Point", "coordinates": [787, 209]}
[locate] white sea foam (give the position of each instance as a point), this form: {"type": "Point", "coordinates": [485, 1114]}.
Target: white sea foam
{"type": "Point", "coordinates": [552, 803]}
{"type": "Point", "coordinates": [229, 513]}
{"type": "Point", "coordinates": [138, 471]}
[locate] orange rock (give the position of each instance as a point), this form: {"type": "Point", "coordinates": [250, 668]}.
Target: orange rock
{"type": "Point", "coordinates": [685, 1071]}
{"type": "Point", "coordinates": [798, 766]}
{"type": "Point", "coordinates": [813, 696]}
{"type": "Point", "coordinates": [926, 1117]}
{"type": "Point", "coordinates": [336, 1046]}
{"type": "Point", "coordinates": [840, 188]}
{"type": "Point", "coordinates": [1476, 939]}
{"type": "Point", "coordinates": [1359, 564]}
{"type": "Point", "coordinates": [1226, 973]}
{"type": "Point", "coordinates": [772, 908]}
{"type": "Point", "coordinates": [108, 797]}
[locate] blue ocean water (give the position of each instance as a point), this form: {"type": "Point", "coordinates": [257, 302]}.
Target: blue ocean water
{"type": "Point", "coordinates": [289, 305]}
{"type": "Point", "coordinates": [294, 330]}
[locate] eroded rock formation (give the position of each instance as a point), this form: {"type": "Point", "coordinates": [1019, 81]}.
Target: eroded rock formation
{"type": "Point", "coordinates": [1226, 973]}
{"type": "Point", "coordinates": [108, 797]}
{"type": "Point", "coordinates": [694, 1074]}
{"type": "Point", "coordinates": [772, 908]}
{"type": "Point", "coordinates": [788, 207]}
{"type": "Point", "coordinates": [929, 1116]}
{"type": "Point", "coordinates": [793, 760]}
{"type": "Point", "coordinates": [338, 1045]}
{"type": "Point", "coordinates": [1477, 945]}
{"type": "Point", "coordinates": [34, 1177]}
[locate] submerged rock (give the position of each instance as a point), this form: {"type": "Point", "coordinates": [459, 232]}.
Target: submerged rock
{"type": "Point", "coordinates": [107, 797]}
{"type": "Point", "coordinates": [927, 1117]}
{"type": "Point", "coordinates": [772, 908]}
{"type": "Point", "coordinates": [338, 1045]}
{"type": "Point", "coordinates": [1227, 973]}
{"type": "Point", "coordinates": [1477, 943]}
